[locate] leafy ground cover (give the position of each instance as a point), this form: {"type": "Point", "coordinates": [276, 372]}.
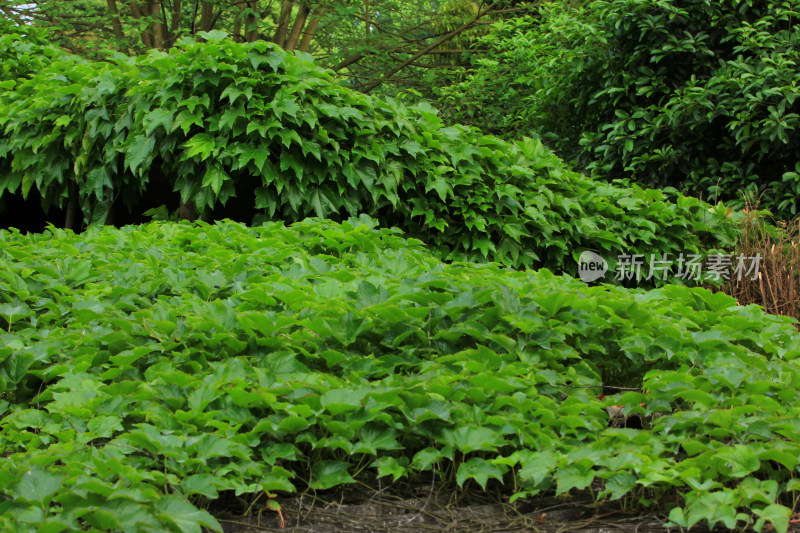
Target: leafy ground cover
{"type": "Point", "coordinates": [269, 135]}
{"type": "Point", "coordinates": [149, 371]}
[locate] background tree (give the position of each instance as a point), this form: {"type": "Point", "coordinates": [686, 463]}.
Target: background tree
{"type": "Point", "coordinates": [701, 96]}
{"type": "Point", "coordinates": [372, 43]}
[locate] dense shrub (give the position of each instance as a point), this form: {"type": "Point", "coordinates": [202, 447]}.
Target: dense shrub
{"type": "Point", "coordinates": [702, 96]}
{"type": "Point", "coordinates": [249, 130]}
{"type": "Point", "coordinates": [23, 56]}
{"type": "Point", "coordinates": [145, 368]}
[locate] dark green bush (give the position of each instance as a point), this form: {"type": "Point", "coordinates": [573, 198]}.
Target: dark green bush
{"type": "Point", "coordinates": [701, 96]}
{"type": "Point", "coordinates": [251, 131]}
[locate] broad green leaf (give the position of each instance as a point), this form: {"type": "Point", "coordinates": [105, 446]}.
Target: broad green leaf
{"type": "Point", "coordinates": [139, 151]}
{"type": "Point", "coordinates": [480, 470]}
{"type": "Point", "coordinates": [185, 517]}
{"type": "Point", "coordinates": [38, 486]}
{"type": "Point", "coordinates": [327, 474]}
{"type": "Point", "coordinates": [214, 177]}
{"type": "Point", "coordinates": [737, 461]}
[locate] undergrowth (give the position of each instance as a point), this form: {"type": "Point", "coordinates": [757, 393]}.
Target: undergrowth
{"type": "Point", "coordinates": [148, 371]}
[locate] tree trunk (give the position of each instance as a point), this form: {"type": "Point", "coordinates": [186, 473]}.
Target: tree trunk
{"type": "Point", "coordinates": [174, 26]}
{"type": "Point", "coordinates": [138, 13]}
{"type": "Point", "coordinates": [251, 23]}
{"type": "Point", "coordinates": [112, 210]}
{"type": "Point", "coordinates": [206, 16]}
{"type": "Point", "coordinates": [283, 22]}
{"type": "Point", "coordinates": [308, 35]}
{"type": "Point", "coordinates": [299, 22]}
{"type": "Point", "coordinates": [237, 27]}
{"type": "Point", "coordinates": [159, 29]}
{"type": "Point", "coordinates": [116, 22]}
{"type": "Point", "coordinates": [366, 18]}
{"type": "Point", "coordinates": [188, 211]}
{"type": "Point", "coordinates": [73, 207]}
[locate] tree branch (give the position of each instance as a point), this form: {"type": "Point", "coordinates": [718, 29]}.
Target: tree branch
{"type": "Point", "coordinates": [433, 46]}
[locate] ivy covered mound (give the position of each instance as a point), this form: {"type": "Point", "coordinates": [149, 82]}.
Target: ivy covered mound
{"type": "Point", "coordinates": [247, 130]}
{"type": "Point", "coordinates": [148, 369]}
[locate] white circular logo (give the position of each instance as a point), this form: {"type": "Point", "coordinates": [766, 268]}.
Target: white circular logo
{"type": "Point", "coordinates": [591, 266]}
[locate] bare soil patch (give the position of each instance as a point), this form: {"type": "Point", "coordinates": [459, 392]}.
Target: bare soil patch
{"type": "Point", "coordinates": [421, 508]}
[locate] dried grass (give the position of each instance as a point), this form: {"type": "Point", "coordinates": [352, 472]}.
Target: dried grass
{"type": "Point", "coordinates": [776, 285]}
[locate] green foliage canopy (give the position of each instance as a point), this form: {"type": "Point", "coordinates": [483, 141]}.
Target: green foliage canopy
{"type": "Point", "coordinates": [219, 120]}
{"type": "Point", "coordinates": [701, 96]}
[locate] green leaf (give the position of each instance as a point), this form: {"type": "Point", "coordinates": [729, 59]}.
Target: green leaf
{"type": "Point", "coordinates": [470, 439]}
{"type": "Point", "coordinates": [285, 105]}
{"type": "Point", "coordinates": [338, 401]}
{"type": "Point", "coordinates": [390, 466]}
{"type": "Point", "coordinates": [139, 151]}
{"type": "Point", "coordinates": [620, 484]}
{"type": "Point", "coordinates": [201, 144]}
{"type": "Point", "coordinates": [158, 117]}
{"type": "Point", "coordinates": [574, 476]}
{"type": "Point", "coordinates": [327, 474]}
{"type": "Point", "coordinates": [480, 470]}
{"type": "Point", "coordinates": [778, 515]}
{"type": "Point", "coordinates": [537, 466]}
{"type": "Point", "coordinates": [185, 517]}
{"type": "Point", "coordinates": [214, 36]}
{"type": "Point", "coordinates": [215, 177]}
{"type": "Point", "coordinates": [737, 461]}
{"type": "Point", "coordinates": [104, 426]}
{"type": "Point", "coordinates": [425, 458]}
{"type": "Point", "coordinates": [205, 484]}
{"type": "Point", "coordinates": [37, 486]}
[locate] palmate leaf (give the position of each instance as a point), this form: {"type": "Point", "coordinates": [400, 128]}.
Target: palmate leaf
{"type": "Point", "coordinates": [257, 155]}
{"type": "Point", "coordinates": [341, 400]}
{"type": "Point", "coordinates": [390, 466]}
{"type": "Point", "coordinates": [158, 117]}
{"type": "Point", "coordinates": [184, 516]}
{"type": "Point", "coordinates": [469, 439]}
{"type": "Point", "coordinates": [201, 144]}
{"type": "Point", "coordinates": [776, 514]}
{"type": "Point", "coordinates": [327, 474]}
{"type": "Point", "coordinates": [480, 470]}
{"type": "Point", "coordinates": [574, 476]}
{"type": "Point", "coordinates": [273, 58]}
{"type": "Point", "coordinates": [285, 105]}
{"type": "Point", "coordinates": [215, 177]}
{"type": "Point", "coordinates": [139, 151]}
